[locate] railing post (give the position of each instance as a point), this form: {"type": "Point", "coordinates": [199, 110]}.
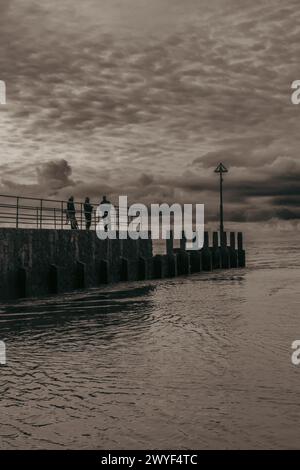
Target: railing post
{"type": "Point", "coordinates": [54, 217]}
{"type": "Point", "coordinates": [62, 214]}
{"type": "Point", "coordinates": [37, 217]}
{"type": "Point", "coordinates": [17, 214]}
{"type": "Point", "coordinates": [41, 214]}
{"type": "Point", "coordinates": [81, 215]}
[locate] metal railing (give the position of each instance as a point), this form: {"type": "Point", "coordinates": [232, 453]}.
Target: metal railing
{"type": "Point", "coordinates": [30, 212]}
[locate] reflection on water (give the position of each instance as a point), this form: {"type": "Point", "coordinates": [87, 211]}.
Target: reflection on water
{"type": "Point", "coordinates": [198, 362]}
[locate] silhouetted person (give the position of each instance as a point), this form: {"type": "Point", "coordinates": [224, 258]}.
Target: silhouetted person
{"type": "Point", "coordinates": [88, 211]}
{"type": "Point", "coordinates": [105, 201]}
{"type": "Point", "coordinates": [71, 217]}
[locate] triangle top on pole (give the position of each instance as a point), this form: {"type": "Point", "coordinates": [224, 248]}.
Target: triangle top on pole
{"type": "Point", "coordinates": [221, 168]}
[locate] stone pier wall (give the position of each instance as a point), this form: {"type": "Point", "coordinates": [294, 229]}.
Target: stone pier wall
{"type": "Point", "coordinates": [42, 262]}
{"type": "Point", "coordinates": [39, 262]}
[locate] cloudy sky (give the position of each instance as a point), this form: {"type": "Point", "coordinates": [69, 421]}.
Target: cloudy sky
{"type": "Point", "coordinates": [145, 97]}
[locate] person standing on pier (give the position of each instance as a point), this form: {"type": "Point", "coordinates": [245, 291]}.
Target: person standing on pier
{"type": "Point", "coordinates": [88, 210]}
{"type": "Point", "coordinates": [71, 217]}
{"type": "Point", "coordinates": [105, 215]}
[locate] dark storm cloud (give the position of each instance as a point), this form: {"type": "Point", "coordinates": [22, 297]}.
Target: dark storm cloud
{"type": "Point", "coordinates": [55, 175]}
{"type": "Point", "coordinates": [145, 98]}
{"type": "Point", "coordinates": [51, 177]}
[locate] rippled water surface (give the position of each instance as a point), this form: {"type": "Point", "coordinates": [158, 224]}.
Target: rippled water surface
{"type": "Point", "coordinates": [198, 362]}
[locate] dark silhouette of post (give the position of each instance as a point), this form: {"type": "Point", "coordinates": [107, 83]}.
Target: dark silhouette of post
{"type": "Point", "coordinates": [221, 169]}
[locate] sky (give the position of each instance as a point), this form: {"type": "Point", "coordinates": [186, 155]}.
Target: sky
{"type": "Point", "coordinates": [146, 97]}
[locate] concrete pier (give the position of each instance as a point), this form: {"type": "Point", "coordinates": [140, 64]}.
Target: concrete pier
{"type": "Point", "coordinates": [196, 261]}
{"type": "Point", "coordinates": [80, 275]}
{"type": "Point", "coordinates": [22, 284]}
{"type": "Point", "coordinates": [37, 262]}
{"type": "Point", "coordinates": [183, 263]}
{"type": "Point", "coordinates": [104, 276]}
{"type": "Point", "coordinates": [54, 279]}
{"type": "Point", "coordinates": [41, 262]}
{"type": "Point", "coordinates": [158, 271]}
{"type": "Point", "coordinates": [124, 269]}
{"type": "Point", "coordinates": [172, 263]}
{"type": "Point", "coordinates": [142, 269]}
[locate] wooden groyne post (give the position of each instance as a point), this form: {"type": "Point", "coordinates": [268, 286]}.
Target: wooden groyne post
{"type": "Point", "coordinates": [207, 263]}
{"type": "Point", "coordinates": [241, 251]}
{"type": "Point", "coordinates": [216, 252]}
